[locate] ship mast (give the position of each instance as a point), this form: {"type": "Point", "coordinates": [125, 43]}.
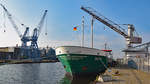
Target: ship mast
{"type": "Point", "coordinates": [92, 21]}
{"type": "Point", "coordinates": [82, 31]}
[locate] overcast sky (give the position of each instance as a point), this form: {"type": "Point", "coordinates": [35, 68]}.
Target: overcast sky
{"type": "Point", "coordinates": [63, 15]}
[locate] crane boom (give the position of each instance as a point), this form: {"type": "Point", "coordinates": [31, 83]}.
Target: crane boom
{"type": "Point", "coordinates": [105, 21]}
{"type": "Point", "coordinates": [11, 20]}
{"type": "Point", "coordinates": [36, 32]}
{"type": "Point", "coordinates": [40, 25]}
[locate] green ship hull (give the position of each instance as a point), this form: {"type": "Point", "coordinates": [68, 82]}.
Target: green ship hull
{"type": "Point", "coordinates": [82, 64]}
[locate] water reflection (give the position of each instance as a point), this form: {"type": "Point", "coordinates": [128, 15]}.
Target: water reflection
{"type": "Point", "coordinates": [42, 73]}
{"type": "Point", "coordinates": [65, 80]}
{"type": "Point", "coordinates": [30, 73]}
{"type": "Point", "coordinates": [77, 80]}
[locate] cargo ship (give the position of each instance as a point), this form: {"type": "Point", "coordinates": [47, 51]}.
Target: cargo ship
{"type": "Point", "coordinates": [82, 61]}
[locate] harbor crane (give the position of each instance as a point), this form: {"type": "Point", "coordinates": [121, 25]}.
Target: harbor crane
{"type": "Point", "coordinates": [24, 37]}
{"type": "Point", "coordinates": [35, 36]}
{"type": "Point", "coordinates": [130, 37]}
{"type": "Point", "coordinates": [31, 50]}
{"type": "Point", "coordinates": [37, 31]}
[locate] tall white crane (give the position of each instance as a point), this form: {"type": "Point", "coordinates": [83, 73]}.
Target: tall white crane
{"type": "Point", "coordinates": [130, 37]}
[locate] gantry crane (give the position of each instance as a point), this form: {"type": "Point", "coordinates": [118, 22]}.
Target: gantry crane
{"type": "Point", "coordinates": [34, 52]}
{"type": "Point", "coordinates": [130, 37]}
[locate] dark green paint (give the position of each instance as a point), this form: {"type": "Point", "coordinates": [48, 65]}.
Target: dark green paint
{"type": "Point", "coordinates": [74, 63]}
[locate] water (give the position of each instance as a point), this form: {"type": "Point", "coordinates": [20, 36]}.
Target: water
{"type": "Point", "coordinates": [41, 73]}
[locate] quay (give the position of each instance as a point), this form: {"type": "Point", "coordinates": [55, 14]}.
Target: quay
{"type": "Point", "coordinates": [25, 61]}
{"type": "Point", "coordinates": [126, 75]}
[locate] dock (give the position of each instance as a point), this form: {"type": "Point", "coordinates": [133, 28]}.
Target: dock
{"type": "Point", "coordinates": [126, 75]}
{"type": "Point", "coordinates": [25, 61]}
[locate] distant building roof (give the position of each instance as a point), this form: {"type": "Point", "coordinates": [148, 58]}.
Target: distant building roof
{"type": "Point", "coordinates": [6, 49]}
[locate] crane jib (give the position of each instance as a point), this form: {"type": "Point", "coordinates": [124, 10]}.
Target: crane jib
{"type": "Point", "coordinates": [12, 21]}
{"type": "Point", "coordinates": [117, 29]}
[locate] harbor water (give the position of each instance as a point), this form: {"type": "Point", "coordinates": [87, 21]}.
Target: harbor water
{"type": "Point", "coordinates": [39, 73]}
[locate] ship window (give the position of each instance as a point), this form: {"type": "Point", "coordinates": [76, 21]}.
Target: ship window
{"type": "Point", "coordinates": [97, 53]}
